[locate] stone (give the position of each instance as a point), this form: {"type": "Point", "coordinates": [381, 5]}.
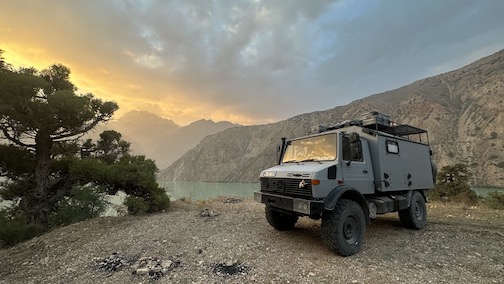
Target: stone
{"type": "Point", "coordinates": [144, 258]}
{"type": "Point", "coordinates": [229, 263]}
{"type": "Point", "coordinates": [142, 271]}
{"type": "Point", "coordinates": [166, 263]}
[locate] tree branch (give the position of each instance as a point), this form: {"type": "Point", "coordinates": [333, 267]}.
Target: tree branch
{"type": "Point", "coordinates": [62, 135]}
{"type": "Point", "coordinates": [14, 139]}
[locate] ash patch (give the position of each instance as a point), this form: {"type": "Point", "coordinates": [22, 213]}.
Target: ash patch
{"type": "Point", "coordinates": [230, 268]}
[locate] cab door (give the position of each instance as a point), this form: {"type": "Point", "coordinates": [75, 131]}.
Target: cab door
{"type": "Point", "coordinates": [356, 164]}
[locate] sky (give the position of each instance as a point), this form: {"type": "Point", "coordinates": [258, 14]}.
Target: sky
{"type": "Point", "coordinates": [248, 62]}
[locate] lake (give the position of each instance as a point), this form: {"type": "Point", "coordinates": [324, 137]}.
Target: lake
{"type": "Point", "coordinates": [193, 191]}
{"type": "Point", "coordinates": [209, 190]}
{"type": "Point", "coordinates": [484, 191]}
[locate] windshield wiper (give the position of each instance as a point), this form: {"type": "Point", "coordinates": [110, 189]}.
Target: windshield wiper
{"type": "Point", "coordinates": [291, 161]}
{"type": "Point", "coordinates": [311, 160]}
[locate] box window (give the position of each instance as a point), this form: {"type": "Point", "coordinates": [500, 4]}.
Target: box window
{"type": "Point", "coordinates": [392, 147]}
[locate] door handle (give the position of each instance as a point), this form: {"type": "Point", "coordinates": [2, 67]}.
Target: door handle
{"type": "Point", "coordinates": [364, 171]}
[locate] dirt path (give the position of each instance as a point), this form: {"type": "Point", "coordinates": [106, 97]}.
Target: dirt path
{"type": "Point", "coordinates": [457, 246]}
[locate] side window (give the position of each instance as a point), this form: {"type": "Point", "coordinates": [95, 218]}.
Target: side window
{"type": "Point", "coordinates": [347, 150]}
{"type": "Point", "coordinates": [392, 147]}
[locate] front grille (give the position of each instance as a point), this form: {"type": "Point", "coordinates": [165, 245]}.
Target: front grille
{"type": "Point", "coordinates": [287, 186]}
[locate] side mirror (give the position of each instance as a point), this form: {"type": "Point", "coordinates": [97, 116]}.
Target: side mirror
{"type": "Point", "coordinates": [278, 148]}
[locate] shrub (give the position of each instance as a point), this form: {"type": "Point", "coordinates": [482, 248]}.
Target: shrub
{"type": "Point", "coordinates": [81, 204]}
{"type": "Point", "coordinates": [495, 200]}
{"type": "Point", "coordinates": [16, 230]}
{"type": "Point", "coordinates": [459, 195]}
{"type": "Point", "coordinates": [453, 186]}
{"type": "Point", "coordinates": [136, 205]}
{"type": "Point", "coordinates": [159, 202]}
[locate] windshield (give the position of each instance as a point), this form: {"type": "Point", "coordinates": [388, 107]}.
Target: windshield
{"type": "Point", "coordinates": [318, 148]}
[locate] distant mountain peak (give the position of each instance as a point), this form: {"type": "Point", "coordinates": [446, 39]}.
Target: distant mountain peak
{"type": "Point", "coordinates": [211, 122]}
{"type": "Point", "coordinates": [134, 115]}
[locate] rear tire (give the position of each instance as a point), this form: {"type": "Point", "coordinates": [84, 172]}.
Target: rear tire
{"type": "Point", "coordinates": [343, 228]}
{"type": "Point", "coordinates": [280, 221]}
{"type": "Point", "coordinates": [415, 216]}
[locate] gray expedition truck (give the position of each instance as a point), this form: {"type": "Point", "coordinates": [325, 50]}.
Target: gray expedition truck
{"type": "Point", "coordinates": [346, 174]}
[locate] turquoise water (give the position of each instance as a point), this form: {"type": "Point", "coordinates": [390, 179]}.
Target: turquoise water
{"type": "Point", "coordinates": [483, 191]}
{"type": "Point", "coordinates": [191, 190]}
{"type": "Point", "coordinates": [208, 190]}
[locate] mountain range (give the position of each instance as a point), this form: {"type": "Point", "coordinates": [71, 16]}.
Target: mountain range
{"type": "Point", "coordinates": [159, 138]}
{"type": "Point", "coordinates": [461, 109]}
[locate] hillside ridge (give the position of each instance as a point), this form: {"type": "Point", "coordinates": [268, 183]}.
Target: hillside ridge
{"type": "Point", "coordinates": [461, 109]}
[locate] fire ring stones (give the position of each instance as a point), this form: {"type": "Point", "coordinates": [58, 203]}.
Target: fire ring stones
{"type": "Point", "coordinates": [208, 213]}
{"type": "Point", "coordinates": [152, 267]}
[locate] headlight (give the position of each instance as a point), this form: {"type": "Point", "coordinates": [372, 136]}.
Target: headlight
{"type": "Point", "coordinates": [269, 174]}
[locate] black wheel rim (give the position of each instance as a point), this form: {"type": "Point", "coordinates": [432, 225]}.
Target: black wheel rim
{"type": "Point", "coordinates": [350, 230]}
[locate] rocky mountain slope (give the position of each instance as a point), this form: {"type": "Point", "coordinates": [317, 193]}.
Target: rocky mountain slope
{"type": "Point", "coordinates": [158, 138]}
{"type": "Point", "coordinates": [175, 144]}
{"type": "Point", "coordinates": [461, 109]}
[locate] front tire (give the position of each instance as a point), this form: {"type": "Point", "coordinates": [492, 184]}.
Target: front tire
{"type": "Point", "coordinates": [415, 216]}
{"type": "Point", "coordinates": [280, 221]}
{"type": "Point", "coordinates": [343, 228]}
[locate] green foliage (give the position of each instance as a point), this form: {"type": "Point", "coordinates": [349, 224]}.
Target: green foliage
{"type": "Point", "coordinates": [495, 200]}
{"type": "Point", "coordinates": [10, 157]}
{"type": "Point", "coordinates": [53, 178]}
{"type": "Point", "coordinates": [82, 203]}
{"type": "Point", "coordinates": [3, 65]}
{"type": "Point", "coordinates": [134, 175]}
{"type": "Point", "coordinates": [136, 205]}
{"type": "Point", "coordinates": [16, 230]}
{"type": "Point", "coordinates": [452, 185]}
{"type": "Point", "coordinates": [40, 117]}
{"type": "Point", "coordinates": [159, 201]}
{"type": "Point", "coordinates": [110, 148]}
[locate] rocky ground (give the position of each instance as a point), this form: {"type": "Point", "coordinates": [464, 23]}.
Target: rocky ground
{"type": "Point", "coordinates": [229, 241]}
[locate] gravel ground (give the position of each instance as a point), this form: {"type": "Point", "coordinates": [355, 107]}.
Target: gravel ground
{"type": "Point", "coordinates": [233, 243]}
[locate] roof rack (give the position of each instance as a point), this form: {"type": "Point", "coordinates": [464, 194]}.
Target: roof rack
{"type": "Point", "coordinates": [380, 122]}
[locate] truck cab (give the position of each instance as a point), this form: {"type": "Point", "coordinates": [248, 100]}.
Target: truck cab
{"type": "Point", "coordinates": [346, 174]}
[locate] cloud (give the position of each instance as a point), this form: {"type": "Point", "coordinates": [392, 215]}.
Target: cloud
{"type": "Point", "coordinates": [248, 61]}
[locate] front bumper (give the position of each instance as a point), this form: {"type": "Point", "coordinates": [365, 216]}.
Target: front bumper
{"type": "Point", "coordinates": [303, 206]}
